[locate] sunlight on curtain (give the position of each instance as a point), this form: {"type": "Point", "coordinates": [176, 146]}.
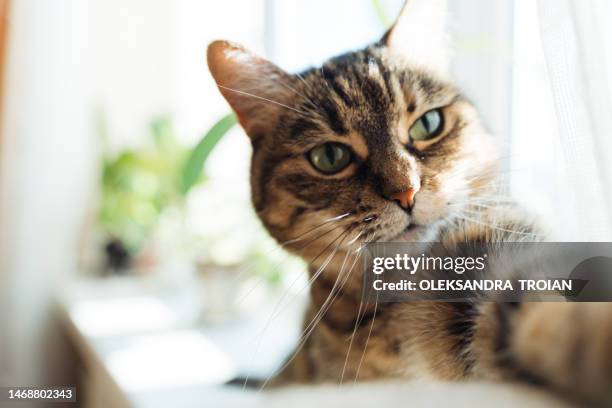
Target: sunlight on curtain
{"type": "Point", "coordinates": [576, 50]}
{"type": "Point", "coordinates": [537, 168]}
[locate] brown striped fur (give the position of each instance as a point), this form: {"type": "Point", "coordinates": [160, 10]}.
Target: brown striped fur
{"type": "Point", "coordinates": [367, 100]}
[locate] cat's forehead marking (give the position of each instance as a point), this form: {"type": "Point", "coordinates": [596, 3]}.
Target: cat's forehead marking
{"type": "Point", "coordinates": [359, 91]}
{"type": "Point", "coordinates": [373, 68]}
{"type": "Point", "coordinates": [367, 100]}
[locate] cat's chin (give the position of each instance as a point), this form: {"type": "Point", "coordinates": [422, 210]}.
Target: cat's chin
{"type": "Point", "coordinates": [416, 233]}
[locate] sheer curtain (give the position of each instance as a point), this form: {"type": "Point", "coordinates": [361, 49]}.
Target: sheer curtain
{"type": "Point", "coordinates": [576, 42]}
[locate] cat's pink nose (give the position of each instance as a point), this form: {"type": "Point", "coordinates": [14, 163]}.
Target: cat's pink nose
{"type": "Point", "coordinates": [405, 198]}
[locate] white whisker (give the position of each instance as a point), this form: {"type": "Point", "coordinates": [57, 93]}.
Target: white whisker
{"type": "Point", "coordinates": [263, 99]}
{"type": "Point", "coordinates": [309, 329]}
{"type": "Point", "coordinates": [365, 346]}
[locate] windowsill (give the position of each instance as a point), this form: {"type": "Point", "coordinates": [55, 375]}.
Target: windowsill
{"type": "Point", "coordinates": [130, 359]}
{"type": "Point", "coordinates": [141, 345]}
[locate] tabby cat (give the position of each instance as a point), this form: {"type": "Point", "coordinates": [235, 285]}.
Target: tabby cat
{"type": "Point", "coordinates": [379, 145]}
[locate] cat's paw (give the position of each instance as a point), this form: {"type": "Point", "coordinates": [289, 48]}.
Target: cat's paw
{"type": "Point", "coordinates": [567, 346]}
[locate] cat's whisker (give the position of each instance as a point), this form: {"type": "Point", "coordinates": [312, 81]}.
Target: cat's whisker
{"type": "Point", "coordinates": [308, 331]}
{"type": "Point", "coordinates": [333, 288]}
{"type": "Point", "coordinates": [319, 254]}
{"type": "Point", "coordinates": [467, 167]}
{"type": "Point", "coordinates": [322, 311]}
{"type": "Point", "coordinates": [325, 222]}
{"type": "Point", "coordinates": [280, 263]}
{"type": "Point", "coordinates": [306, 246]}
{"type": "Point", "coordinates": [359, 249]}
{"type": "Point", "coordinates": [365, 346]}
{"type": "Point", "coordinates": [487, 200]}
{"type": "Point", "coordinates": [358, 321]}
{"type": "Point", "coordinates": [469, 203]}
{"type": "Point", "coordinates": [464, 175]}
{"type": "Point", "coordinates": [355, 239]}
{"type": "Point", "coordinates": [259, 281]}
{"type": "Point", "coordinates": [488, 225]}
{"type": "Point", "coordinates": [299, 346]}
{"type": "Point", "coordinates": [301, 250]}
{"type": "Point", "coordinates": [277, 307]}
{"type": "Point", "coordinates": [343, 235]}
{"type": "Point", "coordinates": [332, 295]}
{"type": "Point", "coordinates": [306, 98]}
{"type": "Point", "coordinates": [477, 191]}
{"type": "Point", "coordinates": [297, 239]}
{"type": "Point", "coordinates": [484, 193]}
{"type": "Point", "coordinates": [263, 99]}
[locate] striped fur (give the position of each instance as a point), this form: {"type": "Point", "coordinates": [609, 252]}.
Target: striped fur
{"type": "Point", "coordinates": [367, 100]}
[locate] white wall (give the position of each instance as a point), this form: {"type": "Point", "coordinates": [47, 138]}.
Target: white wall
{"type": "Point", "coordinates": [47, 176]}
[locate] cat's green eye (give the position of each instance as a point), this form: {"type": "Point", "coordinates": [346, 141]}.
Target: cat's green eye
{"type": "Point", "coordinates": [330, 158]}
{"type": "Point", "coordinates": [427, 127]}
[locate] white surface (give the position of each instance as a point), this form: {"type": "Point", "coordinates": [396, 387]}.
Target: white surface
{"type": "Point", "coordinates": [414, 394]}
{"type": "Point", "coordinates": [180, 363]}
{"type": "Point", "coordinates": [150, 343]}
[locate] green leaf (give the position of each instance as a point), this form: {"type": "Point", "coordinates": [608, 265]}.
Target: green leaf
{"type": "Point", "coordinates": [381, 14]}
{"type": "Point", "coordinates": [195, 163]}
{"type": "Point", "coordinates": [163, 135]}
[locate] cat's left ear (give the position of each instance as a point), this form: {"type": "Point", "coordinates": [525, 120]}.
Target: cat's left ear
{"type": "Point", "coordinates": [255, 88]}
{"type": "Point", "coordinates": [419, 35]}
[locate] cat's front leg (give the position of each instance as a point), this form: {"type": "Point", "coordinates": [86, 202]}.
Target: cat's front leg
{"type": "Point", "coordinates": [565, 346]}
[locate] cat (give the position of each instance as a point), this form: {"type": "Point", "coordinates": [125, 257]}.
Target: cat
{"type": "Point", "coordinates": [379, 145]}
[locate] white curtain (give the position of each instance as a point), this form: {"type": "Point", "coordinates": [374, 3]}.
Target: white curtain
{"type": "Point", "coordinates": [577, 47]}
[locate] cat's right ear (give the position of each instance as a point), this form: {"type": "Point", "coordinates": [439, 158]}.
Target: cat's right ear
{"type": "Point", "coordinates": [255, 88]}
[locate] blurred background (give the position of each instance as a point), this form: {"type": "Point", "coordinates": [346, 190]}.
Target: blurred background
{"type": "Point", "coordinates": [131, 262]}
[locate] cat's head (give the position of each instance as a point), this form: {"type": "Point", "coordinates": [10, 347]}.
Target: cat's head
{"type": "Point", "coordinates": [375, 145]}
